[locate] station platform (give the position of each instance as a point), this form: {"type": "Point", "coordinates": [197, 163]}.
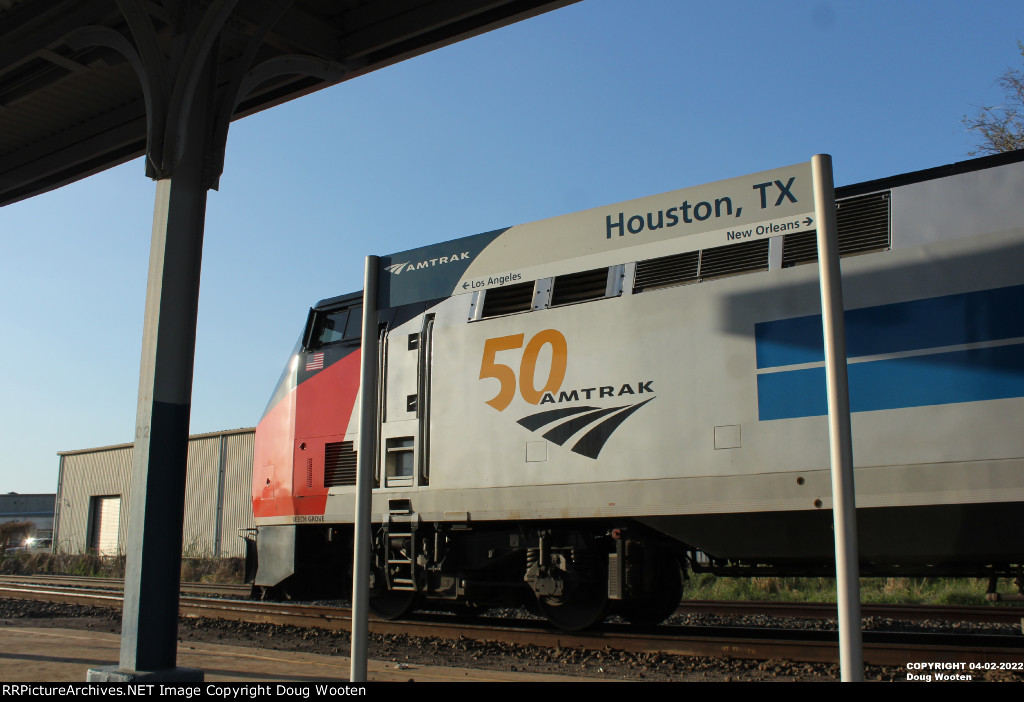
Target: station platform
{"type": "Point", "coordinates": [64, 655]}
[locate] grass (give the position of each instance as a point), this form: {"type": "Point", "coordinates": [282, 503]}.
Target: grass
{"type": "Point", "coordinates": [701, 586]}
{"type": "Point", "coordinates": [206, 570]}
{"type": "Point", "coordinates": [212, 570]}
{"type": "Point", "coordinates": [935, 591]}
{"type": "Point", "coordinates": [87, 565]}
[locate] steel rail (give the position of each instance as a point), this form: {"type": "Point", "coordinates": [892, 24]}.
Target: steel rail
{"type": "Point", "coordinates": [761, 643]}
{"type": "Point", "coordinates": [1009, 613]}
{"type": "Point", "coordinates": [1002, 614]}
{"type": "Point", "coordinates": [118, 584]}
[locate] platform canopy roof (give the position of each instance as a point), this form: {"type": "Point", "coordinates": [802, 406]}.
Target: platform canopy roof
{"type": "Point", "coordinates": [71, 106]}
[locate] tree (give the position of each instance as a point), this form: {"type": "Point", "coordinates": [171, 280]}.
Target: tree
{"type": "Point", "coordinates": [1001, 128]}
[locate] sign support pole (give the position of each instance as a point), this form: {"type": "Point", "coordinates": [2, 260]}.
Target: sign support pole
{"type": "Point", "coordinates": [844, 515]}
{"type": "Point", "coordinates": [364, 475]}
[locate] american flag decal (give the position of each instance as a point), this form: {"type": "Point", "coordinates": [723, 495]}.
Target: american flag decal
{"type": "Point", "coordinates": [315, 362]}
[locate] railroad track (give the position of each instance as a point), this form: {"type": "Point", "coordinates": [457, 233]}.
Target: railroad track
{"type": "Point", "coordinates": [223, 589]}
{"type": "Point", "coordinates": [1013, 614]}
{"type": "Point", "coordinates": [1001, 614]}
{"type": "Point", "coordinates": [763, 643]}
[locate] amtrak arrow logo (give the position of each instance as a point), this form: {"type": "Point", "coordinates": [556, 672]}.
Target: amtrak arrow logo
{"type": "Point", "coordinates": [604, 421]}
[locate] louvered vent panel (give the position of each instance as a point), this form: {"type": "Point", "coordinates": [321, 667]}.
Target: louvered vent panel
{"type": "Point", "coordinates": [665, 271]}
{"type": "Point", "coordinates": [578, 287]}
{"type": "Point", "coordinates": [863, 224]}
{"type": "Point", "coordinates": [799, 248]}
{"type": "Point", "coordinates": [339, 464]}
{"type": "Point", "coordinates": [730, 260]}
{"type": "Point", "coordinates": [508, 299]}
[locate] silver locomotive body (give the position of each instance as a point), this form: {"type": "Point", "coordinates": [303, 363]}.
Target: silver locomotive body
{"type": "Point", "coordinates": [578, 427]}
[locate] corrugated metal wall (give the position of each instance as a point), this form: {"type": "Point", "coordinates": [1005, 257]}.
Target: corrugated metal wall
{"type": "Point", "coordinates": [201, 490]}
{"type": "Point", "coordinates": [86, 475]}
{"type": "Point", "coordinates": [217, 493]}
{"type": "Point", "coordinates": [237, 501]}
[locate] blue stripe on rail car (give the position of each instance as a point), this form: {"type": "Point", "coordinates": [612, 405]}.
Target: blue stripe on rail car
{"type": "Point", "coordinates": [972, 375]}
{"type": "Point", "coordinates": [986, 315]}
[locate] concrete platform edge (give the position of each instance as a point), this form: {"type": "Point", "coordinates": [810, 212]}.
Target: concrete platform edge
{"type": "Point", "coordinates": [113, 674]}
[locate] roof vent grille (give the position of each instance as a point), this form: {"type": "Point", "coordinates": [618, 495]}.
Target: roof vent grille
{"type": "Point", "coordinates": [508, 299]}
{"type": "Point", "coordinates": [668, 270]}
{"type": "Point", "coordinates": [580, 287]}
{"type": "Point", "coordinates": [863, 227]}
{"type": "Point", "coordinates": [723, 261]}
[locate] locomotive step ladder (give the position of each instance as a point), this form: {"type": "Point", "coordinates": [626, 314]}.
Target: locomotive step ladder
{"type": "Point", "coordinates": [401, 564]}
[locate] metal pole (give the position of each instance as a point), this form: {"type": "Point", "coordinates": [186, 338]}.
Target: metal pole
{"type": "Point", "coordinates": [364, 475]}
{"type": "Point", "coordinates": [844, 515]}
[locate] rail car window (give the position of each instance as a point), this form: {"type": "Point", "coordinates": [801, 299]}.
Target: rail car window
{"type": "Point", "coordinates": [508, 300]}
{"type": "Point", "coordinates": [579, 287]}
{"type": "Point", "coordinates": [863, 227]}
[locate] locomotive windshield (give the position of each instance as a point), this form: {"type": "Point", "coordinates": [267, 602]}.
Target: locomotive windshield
{"type": "Point", "coordinates": [339, 325]}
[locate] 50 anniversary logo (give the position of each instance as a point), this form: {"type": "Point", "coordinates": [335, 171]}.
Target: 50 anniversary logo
{"type": "Point", "coordinates": [565, 422]}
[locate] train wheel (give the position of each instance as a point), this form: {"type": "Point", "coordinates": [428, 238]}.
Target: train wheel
{"type": "Point", "coordinates": [577, 611]}
{"type": "Point", "coordinates": [393, 604]}
{"type": "Point", "coordinates": [663, 602]}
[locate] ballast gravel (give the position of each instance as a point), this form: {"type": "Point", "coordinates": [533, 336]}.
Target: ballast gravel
{"type": "Point", "coordinates": [402, 650]}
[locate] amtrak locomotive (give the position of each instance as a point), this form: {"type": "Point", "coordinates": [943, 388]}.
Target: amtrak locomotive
{"type": "Point", "coordinates": [578, 411]}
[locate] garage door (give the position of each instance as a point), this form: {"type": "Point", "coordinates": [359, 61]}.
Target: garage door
{"type": "Point", "coordinates": [106, 516]}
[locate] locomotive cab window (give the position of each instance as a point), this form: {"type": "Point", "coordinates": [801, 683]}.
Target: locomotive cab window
{"type": "Point", "coordinates": [332, 327]}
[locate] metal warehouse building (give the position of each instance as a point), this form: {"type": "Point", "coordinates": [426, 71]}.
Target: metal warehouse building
{"type": "Point", "coordinates": [93, 496]}
{"type": "Point", "coordinates": [37, 510]}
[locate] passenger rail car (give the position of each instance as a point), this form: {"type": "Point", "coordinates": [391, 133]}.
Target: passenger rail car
{"type": "Point", "coordinates": [585, 425]}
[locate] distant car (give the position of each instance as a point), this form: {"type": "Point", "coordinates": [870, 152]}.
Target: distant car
{"type": "Point", "coordinates": [36, 545]}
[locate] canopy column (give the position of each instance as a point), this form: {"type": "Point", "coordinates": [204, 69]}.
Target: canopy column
{"type": "Point", "coordinates": [149, 628]}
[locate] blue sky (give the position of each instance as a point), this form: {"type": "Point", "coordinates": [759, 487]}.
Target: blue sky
{"type": "Point", "coordinates": [593, 104]}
